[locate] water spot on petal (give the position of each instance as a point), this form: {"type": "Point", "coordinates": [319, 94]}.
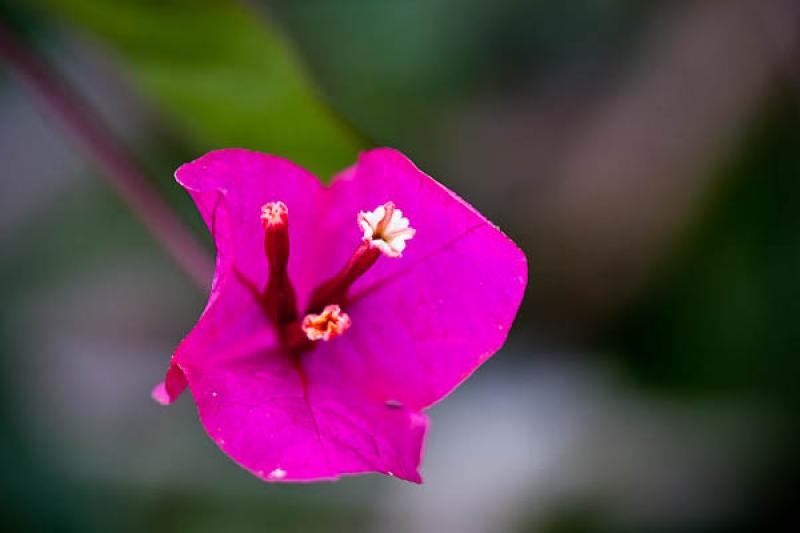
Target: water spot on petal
{"type": "Point", "coordinates": [390, 473]}
{"type": "Point", "coordinates": [278, 473]}
{"type": "Point", "coordinates": [214, 394]}
{"type": "Point", "coordinates": [393, 404]}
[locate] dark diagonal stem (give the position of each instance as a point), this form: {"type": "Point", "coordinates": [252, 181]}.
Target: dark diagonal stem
{"type": "Point", "coordinates": [109, 155]}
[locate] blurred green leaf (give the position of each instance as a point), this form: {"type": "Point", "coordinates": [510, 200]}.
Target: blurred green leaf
{"type": "Point", "coordinates": [420, 61]}
{"type": "Point", "coordinates": [222, 73]}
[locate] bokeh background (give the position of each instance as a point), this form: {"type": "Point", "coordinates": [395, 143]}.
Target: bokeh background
{"type": "Point", "coordinates": [645, 155]}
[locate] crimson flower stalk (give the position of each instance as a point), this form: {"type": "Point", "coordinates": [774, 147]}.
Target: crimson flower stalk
{"type": "Point", "coordinates": [337, 314]}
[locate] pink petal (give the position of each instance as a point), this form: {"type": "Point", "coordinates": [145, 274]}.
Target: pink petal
{"type": "Point", "coordinates": [424, 322]}
{"type": "Point", "coordinates": [160, 394]}
{"type": "Point", "coordinates": [229, 187]}
{"type": "Point", "coordinates": [173, 385]}
{"type": "Point", "coordinates": [284, 425]}
{"type": "Point", "coordinates": [421, 323]}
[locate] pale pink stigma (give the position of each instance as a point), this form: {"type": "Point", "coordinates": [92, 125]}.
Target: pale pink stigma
{"type": "Point", "coordinates": [274, 214]}
{"type": "Point", "coordinates": [386, 229]}
{"type": "Point", "coordinates": [327, 325]}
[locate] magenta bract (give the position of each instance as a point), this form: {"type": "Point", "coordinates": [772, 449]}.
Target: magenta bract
{"type": "Point", "coordinates": [394, 292]}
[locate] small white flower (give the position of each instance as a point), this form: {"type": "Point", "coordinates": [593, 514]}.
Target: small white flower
{"type": "Point", "coordinates": [386, 229]}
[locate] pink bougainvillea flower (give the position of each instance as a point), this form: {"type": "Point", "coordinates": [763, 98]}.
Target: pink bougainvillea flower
{"type": "Point", "coordinates": [320, 362]}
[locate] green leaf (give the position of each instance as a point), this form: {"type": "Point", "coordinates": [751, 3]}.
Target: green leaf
{"type": "Point", "coordinates": [223, 75]}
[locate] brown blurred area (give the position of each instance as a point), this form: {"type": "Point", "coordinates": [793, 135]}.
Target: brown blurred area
{"type": "Point", "coordinates": [603, 176]}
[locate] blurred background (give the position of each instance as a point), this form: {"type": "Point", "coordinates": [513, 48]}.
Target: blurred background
{"type": "Point", "coordinates": [645, 155]}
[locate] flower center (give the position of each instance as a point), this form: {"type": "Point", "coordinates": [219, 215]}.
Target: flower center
{"type": "Point", "coordinates": [327, 325]}
{"type": "Point", "coordinates": [386, 229]}
{"type": "Point", "coordinates": [385, 232]}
